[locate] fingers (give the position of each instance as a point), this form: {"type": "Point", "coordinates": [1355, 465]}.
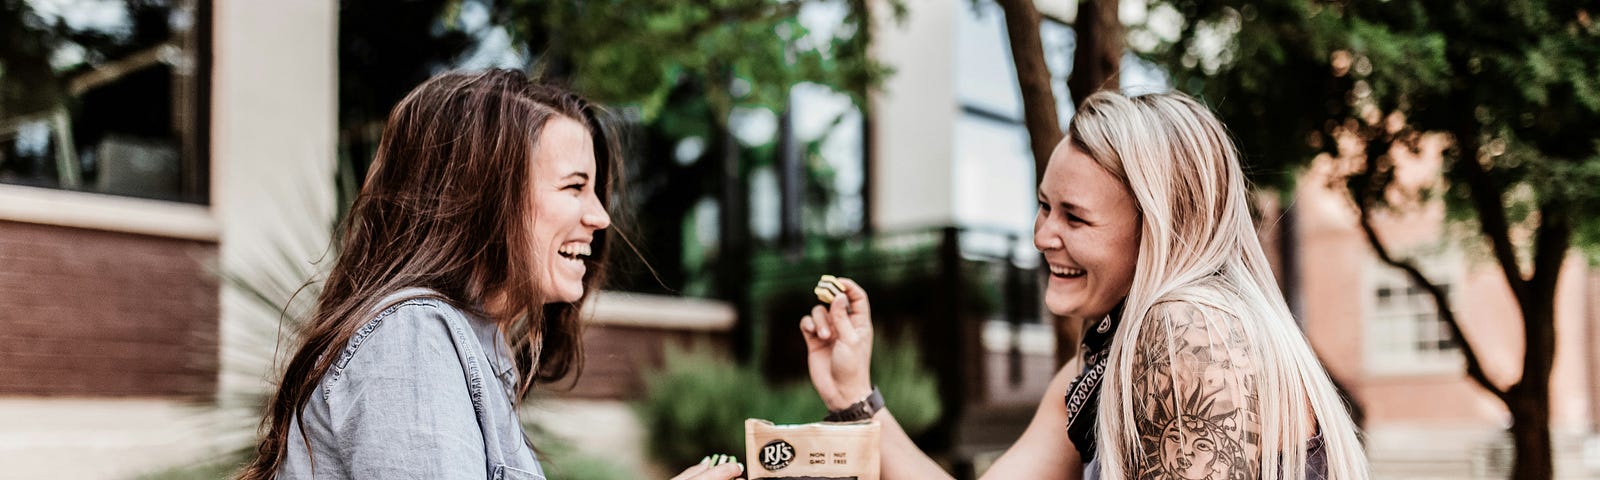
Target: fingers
{"type": "Point", "coordinates": [694, 471]}
{"type": "Point", "coordinates": [715, 467]}
{"type": "Point", "coordinates": [808, 329]}
{"type": "Point", "coordinates": [726, 471]}
{"type": "Point", "coordinates": [857, 297]}
{"type": "Point", "coordinates": [820, 317]}
{"type": "Point", "coordinates": [839, 317]}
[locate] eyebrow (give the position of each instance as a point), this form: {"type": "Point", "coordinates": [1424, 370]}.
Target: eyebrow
{"type": "Point", "coordinates": [1063, 204]}
{"type": "Point", "coordinates": [583, 175]}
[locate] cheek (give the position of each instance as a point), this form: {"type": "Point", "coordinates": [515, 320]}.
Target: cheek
{"type": "Point", "coordinates": [549, 218]}
{"type": "Point", "coordinates": [1100, 252]}
{"type": "Point", "coordinates": [1122, 254]}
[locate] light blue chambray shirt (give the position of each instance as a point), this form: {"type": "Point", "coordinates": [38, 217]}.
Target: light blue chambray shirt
{"type": "Point", "coordinates": [423, 390]}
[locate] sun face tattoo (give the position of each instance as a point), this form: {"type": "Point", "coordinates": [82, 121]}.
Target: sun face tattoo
{"type": "Point", "coordinates": [1194, 390]}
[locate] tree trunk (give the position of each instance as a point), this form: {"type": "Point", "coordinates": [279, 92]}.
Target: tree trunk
{"type": "Point", "coordinates": [1529, 400]}
{"type": "Point", "coordinates": [1530, 435]}
{"type": "Point", "coordinates": [1097, 60]}
{"type": "Point", "coordinates": [1038, 115]}
{"type": "Point", "coordinates": [1033, 77]}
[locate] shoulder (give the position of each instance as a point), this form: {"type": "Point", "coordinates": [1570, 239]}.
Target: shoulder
{"type": "Point", "coordinates": [1194, 385]}
{"type": "Point", "coordinates": [412, 335]}
{"type": "Point", "coordinates": [1208, 308]}
{"type": "Point", "coordinates": [1192, 348]}
{"type": "Point", "coordinates": [1193, 321]}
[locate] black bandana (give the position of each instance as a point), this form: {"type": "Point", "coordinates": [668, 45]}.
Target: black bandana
{"type": "Point", "coordinates": [1083, 397]}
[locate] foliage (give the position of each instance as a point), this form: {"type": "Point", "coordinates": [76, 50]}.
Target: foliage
{"type": "Point", "coordinates": [637, 51]}
{"type": "Point", "coordinates": [696, 405]}
{"type": "Point", "coordinates": [42, 53]}
{"type": "Point", "coordinates": [1512, 80]}
{"type": "Point", "coordinates": [560, 459]}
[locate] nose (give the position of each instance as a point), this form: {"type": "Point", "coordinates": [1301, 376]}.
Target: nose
{"type": "Point", "coordinates": [595, 216]}
{"type": "Point", "coordinates": [1045, 236]}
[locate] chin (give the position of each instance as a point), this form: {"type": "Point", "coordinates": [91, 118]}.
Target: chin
{"type": "Point", "coordinates": [564, 294]}
{"type": "Point", "coordinates": [569, 296]}
{"type": "Point", "coordinates": [1057, 309]}
{"type": "Point", "coordinates": [572, 293]}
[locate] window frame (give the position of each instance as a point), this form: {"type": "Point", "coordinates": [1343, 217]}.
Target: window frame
{"type": "Point", "coordinates": [192, 217]}
{"type": "Point", "coordinates": [1384, 356]}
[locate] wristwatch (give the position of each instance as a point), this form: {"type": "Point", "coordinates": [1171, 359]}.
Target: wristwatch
{"type": "Point", "coordinates": [858, 411]}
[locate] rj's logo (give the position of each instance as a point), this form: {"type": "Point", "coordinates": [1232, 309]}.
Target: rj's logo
{"type": "Point", "coordinates": [776, 455]}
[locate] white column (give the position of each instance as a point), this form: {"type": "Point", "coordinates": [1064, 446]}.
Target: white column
{"type": "Point", "coordinates": [914, 116]}
{"type": "Point", "coordinates": [274, 113]}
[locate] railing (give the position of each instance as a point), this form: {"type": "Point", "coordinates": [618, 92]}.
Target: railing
{"type": "Point", "coordinates": [940, 285]}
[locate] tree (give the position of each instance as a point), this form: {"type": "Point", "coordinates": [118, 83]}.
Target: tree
{"type": "Point", "coordinates": [1512, 84]}
{"type": "Point", "coordinates": [1097, 60]}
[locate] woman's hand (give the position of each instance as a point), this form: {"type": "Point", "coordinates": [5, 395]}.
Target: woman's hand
{"type": "Point", "coordinates": [839, 347]}
{"type": "Point", "coordinates": [715, 467]}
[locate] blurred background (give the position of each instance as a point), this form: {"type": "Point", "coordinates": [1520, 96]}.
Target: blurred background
{"type": "Point", "coordinates": [1427, 171]}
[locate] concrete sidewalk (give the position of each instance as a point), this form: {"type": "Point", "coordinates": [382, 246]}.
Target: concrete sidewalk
{"type": "Point", "coordinates": [45, 438]}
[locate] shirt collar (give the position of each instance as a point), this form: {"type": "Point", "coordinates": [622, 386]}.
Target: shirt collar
{"type": "Point", "coordinates": [493, 341]}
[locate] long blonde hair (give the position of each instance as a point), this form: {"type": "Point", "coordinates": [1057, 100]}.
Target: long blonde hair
{"type": "Point", "coordinates": [1198, 245]}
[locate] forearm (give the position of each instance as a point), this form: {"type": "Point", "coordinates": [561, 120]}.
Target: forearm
{"type": "Point", "coordinates": [901, 458]}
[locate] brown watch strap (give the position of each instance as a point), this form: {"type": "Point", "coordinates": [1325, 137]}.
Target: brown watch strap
{"type": "Point", "coordinates": [858, 411]}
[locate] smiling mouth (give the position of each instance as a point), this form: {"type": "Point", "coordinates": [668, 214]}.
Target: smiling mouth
{"type": "Point", "coordinates": [1067, 272]}
{"type": "Point", "coordinates": [575, 251]}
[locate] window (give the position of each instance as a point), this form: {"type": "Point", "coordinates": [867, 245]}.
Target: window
{"type": "Point", "coordinates": [994, 181]}
{"type": "Point", "coordinates": [105, 96]}
{"type": "Point", "coordinates": [1405, 332]}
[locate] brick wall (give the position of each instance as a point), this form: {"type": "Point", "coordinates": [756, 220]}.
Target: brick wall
{"type": "Point", "coordinates": [617, 358]}
{"type": "Point", "coordinates": [93, 313]}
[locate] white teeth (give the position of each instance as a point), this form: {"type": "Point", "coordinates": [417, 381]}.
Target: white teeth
{"type": "Point", "coordinates": [1067, 271]}
{"type": "Point", "coordinates": [575, 250]}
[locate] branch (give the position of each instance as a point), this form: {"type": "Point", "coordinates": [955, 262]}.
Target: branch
{"type": "Point", "coordinates": [1486, 201]}
{"type": "Point", "coordinates": [731, 16]}
{"type": "Point", "coordinates": [1440, 302]}
{"type": "Point", "coordinates": [1033, 76]}
{"type": "Point", "coordinates": [1364, 199]}
{"type": "Point", "coordinates": [1551, 242]}
{"type": "Point", "coordinates": [1097, 60]}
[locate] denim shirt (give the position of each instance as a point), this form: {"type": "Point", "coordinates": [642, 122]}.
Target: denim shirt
{"type": "Point", "coordinates": [422, 390]}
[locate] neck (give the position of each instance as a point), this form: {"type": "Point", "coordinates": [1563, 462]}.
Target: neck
{"type": "Point", "coordinates": [496, 304]}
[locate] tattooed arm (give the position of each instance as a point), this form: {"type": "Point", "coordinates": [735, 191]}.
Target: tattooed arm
{"type": "Point", "coordinates": [1194, 396]}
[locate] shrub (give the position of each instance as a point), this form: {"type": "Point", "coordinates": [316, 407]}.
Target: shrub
{"type": "Point", "coordinates": [696, 405]}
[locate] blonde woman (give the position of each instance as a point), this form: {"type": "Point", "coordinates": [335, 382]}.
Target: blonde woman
{"type": "Point", "coordinates": [1193, 367]}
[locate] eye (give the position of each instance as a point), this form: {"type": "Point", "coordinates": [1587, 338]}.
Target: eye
{"type": "Point", "coordinates": [1043, 207]}
{"type": "Point", "coordinates": [577, 187]}
{"type": "Point", "coordinates": [1075, 219]}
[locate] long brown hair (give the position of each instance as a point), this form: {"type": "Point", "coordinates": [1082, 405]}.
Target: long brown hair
{"type": "Point", "coordinates": [444, 207]}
